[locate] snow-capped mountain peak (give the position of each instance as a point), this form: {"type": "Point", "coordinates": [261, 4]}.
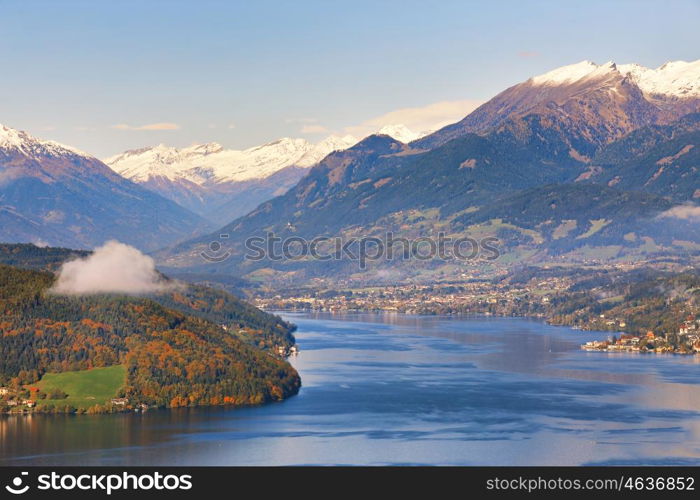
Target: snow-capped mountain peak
{"type": "Point", "coordinates": [205, 149]}
{"type": "Point", "coordinates": [57, 195]}
{"type": "Point", "coordinates": [211, 163]}
{"type": "Point", "coordinates": [319, 151]}
{"type": "Point", "coordinates": [676, 78]}
{"type": "Point", "coordinates": [400, 132]}
{"type": "Point", "coordinates": [679, 79]}
{"type": "Point", "coordinates": [220, 183]}
{"type": "Point", "coordinates": [28, 145]}
{"type": "Point", "coordinates": [566, 74]}
{"type": "Point", "coordinates": [10, 137]}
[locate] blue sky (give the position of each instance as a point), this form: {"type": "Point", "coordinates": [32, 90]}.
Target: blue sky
{"type": "Point", "coordinates": [110, 76]}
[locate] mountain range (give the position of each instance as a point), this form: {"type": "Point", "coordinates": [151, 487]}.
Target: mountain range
{"type": "Point", "coordinates": [52, 194]}
{"type": "Point", "coordinates": [585, 162]}
{"type": "Point", "coordinates": [222, 184]}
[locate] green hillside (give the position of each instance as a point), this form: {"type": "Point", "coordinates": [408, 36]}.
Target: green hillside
{"type": "Point", "coordinates": [171, 358]}
{"type": "Point", "coordinates": [84, 388]}
{"type": "Point", "coordinates": [29, 256]}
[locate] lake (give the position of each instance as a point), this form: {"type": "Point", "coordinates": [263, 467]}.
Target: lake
{"type": "Point", "coordinates": [399, 389]}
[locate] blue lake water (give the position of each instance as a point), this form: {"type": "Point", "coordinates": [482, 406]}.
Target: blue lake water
{"type": "Point", "coordinates": [397, 389]}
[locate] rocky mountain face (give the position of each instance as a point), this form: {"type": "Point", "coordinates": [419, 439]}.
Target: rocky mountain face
{"type": "Point", "coordinates": [52, 194]}
{"type": "Point", "coordinates": [660, 159]}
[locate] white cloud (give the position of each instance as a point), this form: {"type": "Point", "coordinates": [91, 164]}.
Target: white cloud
{"type": "Point", "coordinates": [150, 126]}
{"type": "Point", "coordinates": [685, 212]}
{"type": "Point", "coordinates": [111, 268]}
{"type": "Point", "coordinates": [314, 129]}
{"type": "Point", "coordinates": [420, 119]}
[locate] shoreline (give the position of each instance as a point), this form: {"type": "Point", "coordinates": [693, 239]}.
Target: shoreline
{"type": "Point", "coordinates": [610, 345]}
{"type": "Point", "coordinates": [137, 411]}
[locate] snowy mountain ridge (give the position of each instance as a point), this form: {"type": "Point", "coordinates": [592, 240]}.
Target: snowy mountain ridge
{"type": "Point", "coordinates": [679, 79]}
{"type": "Point", "coordinates": [211, 163]}
{"type": "Point", "coordinates": [22, 142]}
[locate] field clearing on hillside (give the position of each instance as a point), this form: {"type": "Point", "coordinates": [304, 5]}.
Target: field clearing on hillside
{"type": "Point", "coordinates": [85, 388]}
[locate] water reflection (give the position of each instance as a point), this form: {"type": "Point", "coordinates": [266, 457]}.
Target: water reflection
{"type": "Point", "coordinates": [400, 389]}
